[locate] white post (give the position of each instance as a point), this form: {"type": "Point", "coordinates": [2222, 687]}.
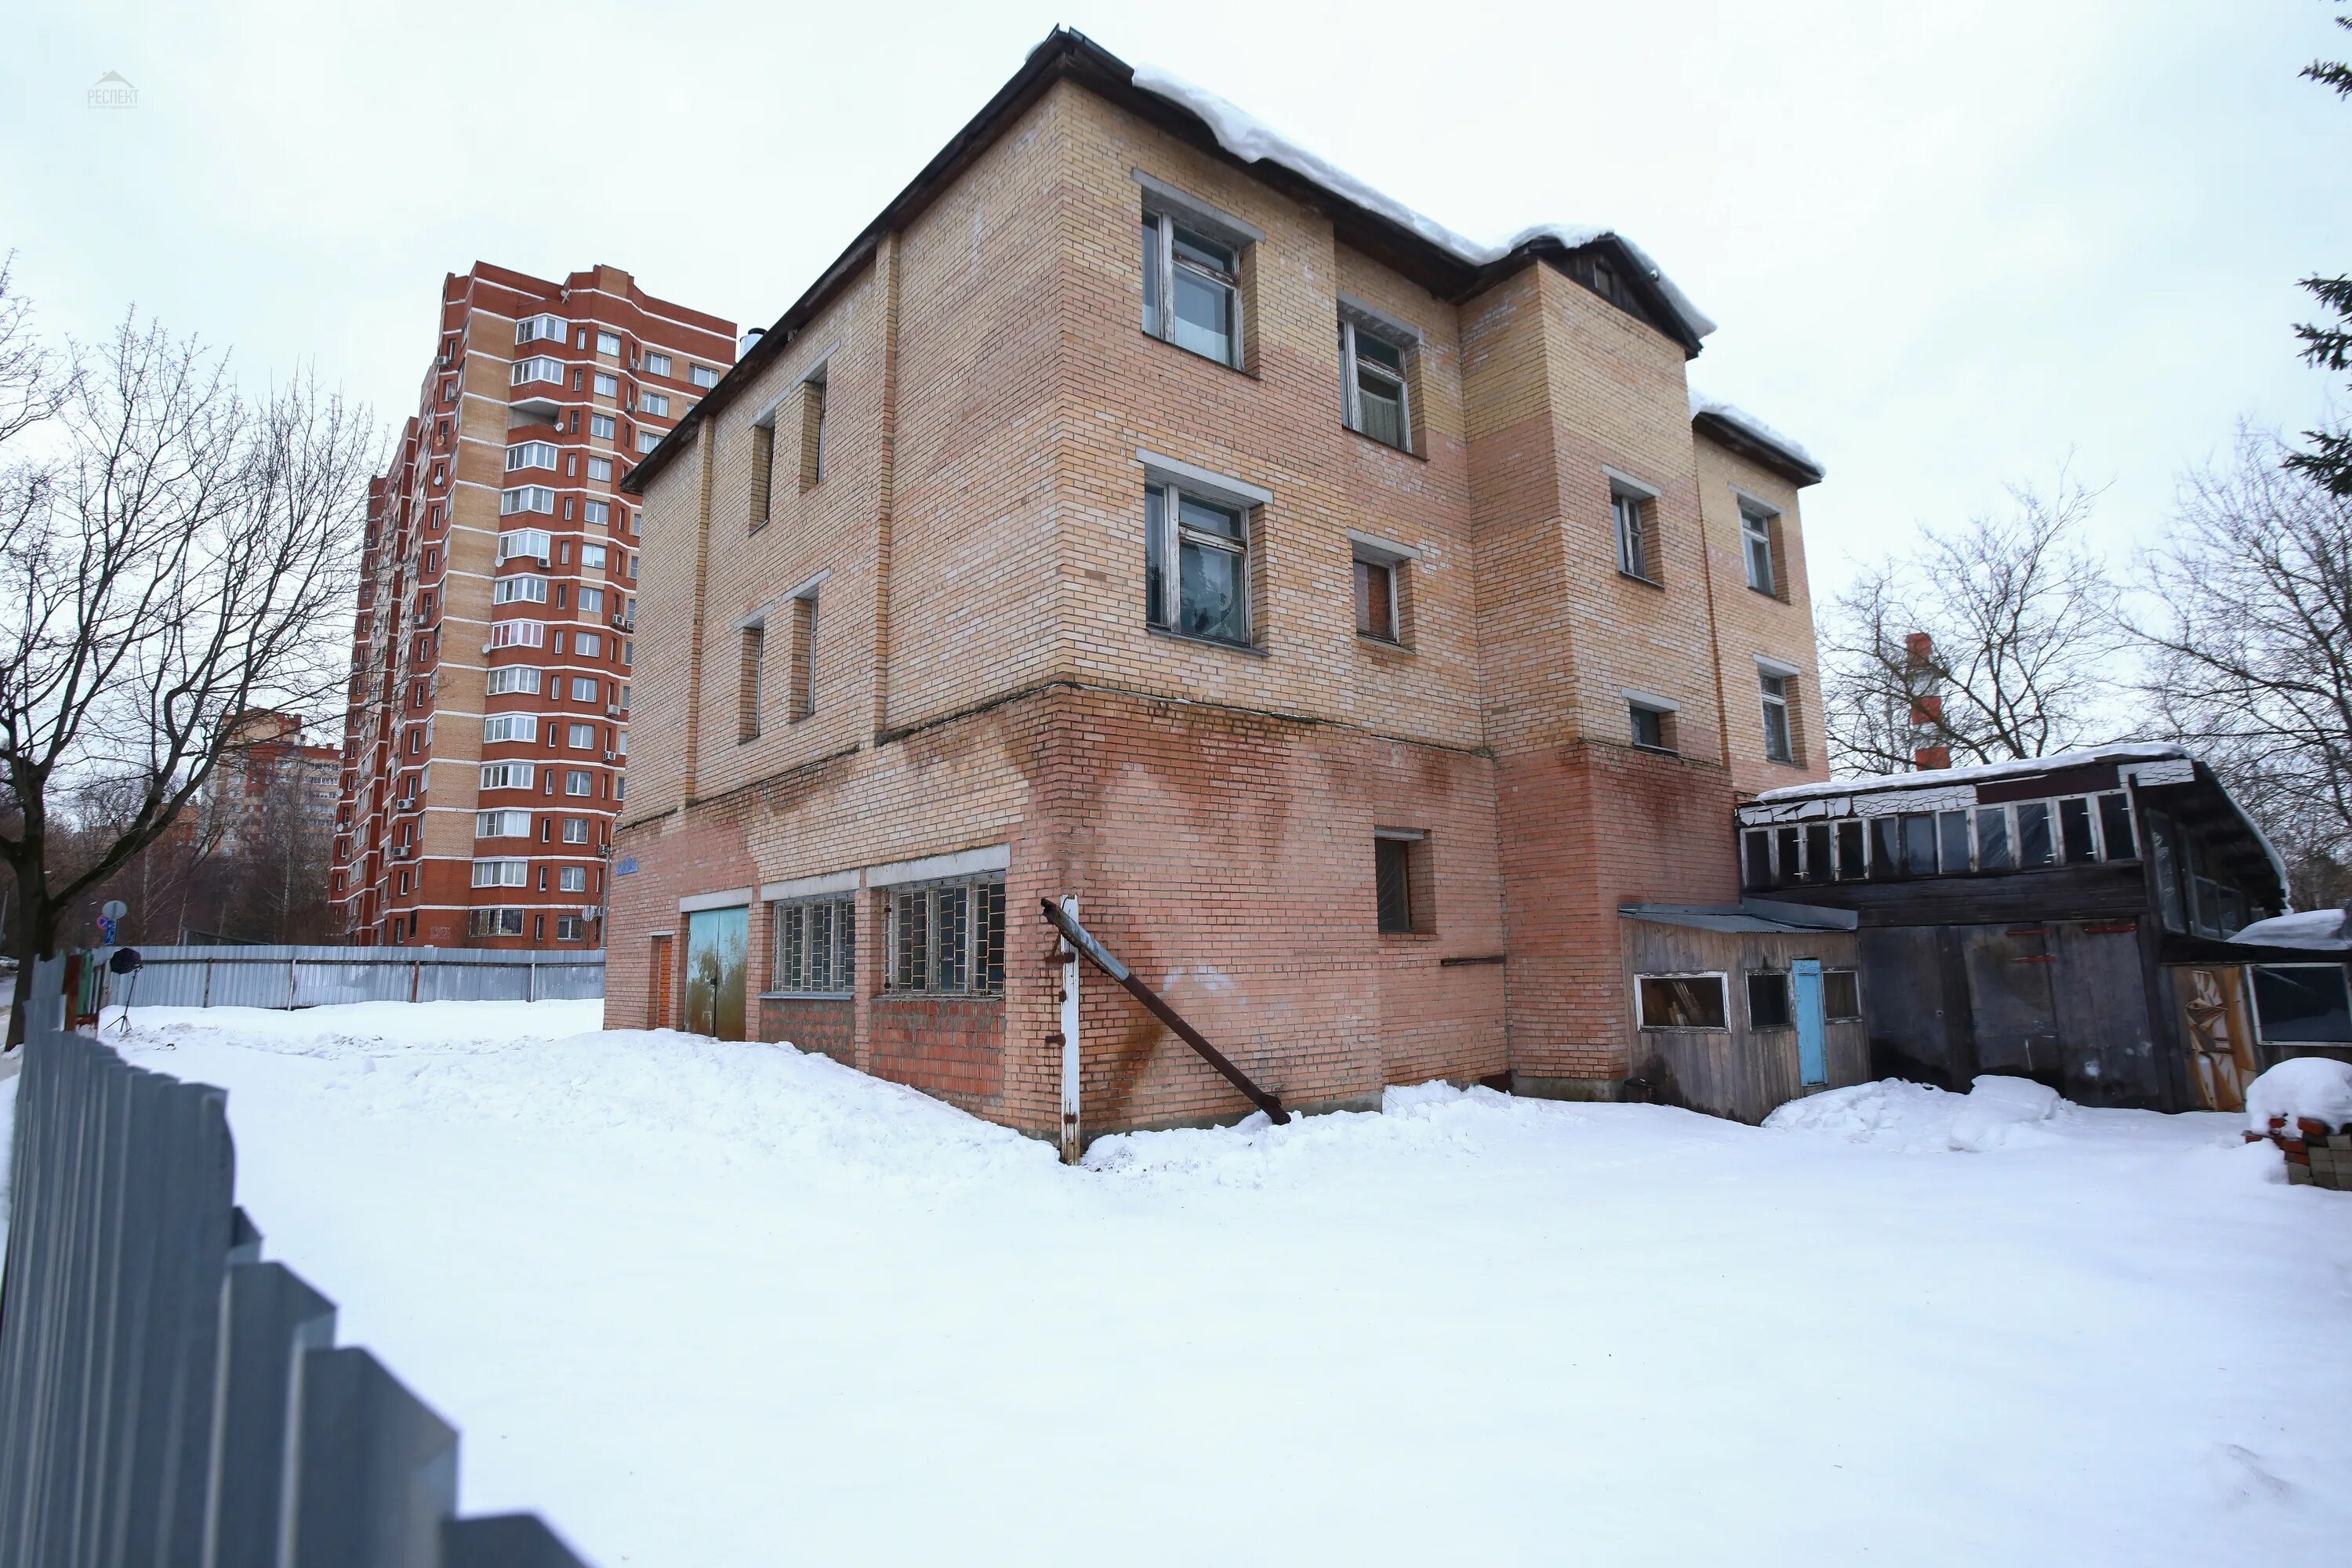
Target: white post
{"type": "Point", "coordinates": [1070, 1043]}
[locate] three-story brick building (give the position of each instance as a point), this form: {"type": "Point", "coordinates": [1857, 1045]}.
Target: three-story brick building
{"type": "Point", "coordinates": [1351, 617]}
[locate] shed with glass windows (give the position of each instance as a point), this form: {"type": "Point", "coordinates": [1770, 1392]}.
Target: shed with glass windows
{"type": "Point", "coordinates": [2021, 918]}
{"type": "Point", "coordinates": [1740, 1008]}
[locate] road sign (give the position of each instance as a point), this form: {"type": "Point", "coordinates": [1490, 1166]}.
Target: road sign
{"type": "Point", "coordinates": [114, 909]}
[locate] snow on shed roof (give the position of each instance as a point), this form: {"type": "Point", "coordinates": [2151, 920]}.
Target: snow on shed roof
{"type": "Point", "coordinates": [2321, 929]}
{"type": "Point", "coordinates": [1939, 778]}
{"type": "Point", "coordinates": [1755, 429]}
{"type": "Point", "coordinates": [1250, 138]}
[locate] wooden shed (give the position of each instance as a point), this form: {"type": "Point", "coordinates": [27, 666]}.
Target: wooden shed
{"type": "Point", "coordinates": [1738, 1008]}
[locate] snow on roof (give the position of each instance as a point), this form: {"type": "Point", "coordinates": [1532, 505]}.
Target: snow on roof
{"type": "Point", "coordinates": [1252, 139]}
{"type": "Point", "coordinates": [2304, 927]}
{"type": "Point", "coordinates": [1938, 778]}
{"type": "Point", "coordinates": [1754, 429]}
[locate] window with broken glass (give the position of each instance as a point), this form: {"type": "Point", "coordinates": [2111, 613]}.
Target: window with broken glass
{"type": "Point", "coordinates": [816, 947]}
{"type": "Point", "coordinates": [948, 938]}
{"type": "Point", "coordinates": [1197, 568]}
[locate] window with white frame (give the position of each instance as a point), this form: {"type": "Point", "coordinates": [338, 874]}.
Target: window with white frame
{"type": "Point", "coordinates": [584, 689]}
{"type": "Point", "coordinates": [500, 727]}
{"type": "Point", "coordinates": [575, 830]}
{"type": "Point", "coordinates": [582, 737]}
{"type": "Point", "coordinates": [537, 368]}
{"type": "Point", "coordinates": [601, 469]}
{"type": "Point", "coordinates": [1780, 733]}
{"type": "Point", "coordinates": [494, 922]}
{"type": "Point", "coordinates": [527, 590]}
{"type": "Point", "coordinates": [506, 776]}
{"type": "Point", "coordinates": [572, 878]}
{"type": "Point", "coordinates": [501, 825]}
{"type": "Point", "coordinates": [502, 873]}
{"type": "Point", "coordinates": [1682, 1001]}
{"type": "Point", "coordinates": [1197, 565]}
{"type": "Point", "coordinates": [596, 512]}
{"type": "Point", "coordinates": [588, 645]}
{"type": "Point", "coordinates": [526, 498]}
{"type": "Point", "coordinates": [608, 342]}
{"type": "Point", "coordinates": [592, 558]}
{"type": "Point", "coordinates": [519, 633]}
{"type": "Point", "coordinates": [947, 937]}
{"type": "Point", "coordinates": [647, 440]}
{"type": "Point", "coordinates": [601, 427]}
{"type": "Point", "coordinates": [579, 781]}
{"type": "Point", "coordinates": [540, 329]}
{"type": "Point", "coordinates": [656, 364]}
{"type": "Point", "coordinates": [702, 375]}
{"type": "Point", "coordinates": [508, 679]}
{"type": "Point", "coordinates": [530, 454]}
{"type": "Point", "coordinates": [592, 601]}
{"type": "Point", "coordinates": [1635, 513]}
{"type": "Point", "coordinates": [816, 946]}
{"type": "Point", "coordinates": [654, 403]}
{"type": "Point", "coordinates": [1192, 288]}
{"type": "Point", "coordinates": [569, 928]}
{"type": "Point", "coordinates": [608, 385]}
{"type": "Point", "coordinates": [1757, 528]}
{"type": "Point", "coordinates": [1371, 370]}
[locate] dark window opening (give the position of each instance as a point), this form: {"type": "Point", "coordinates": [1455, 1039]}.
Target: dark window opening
{"type": "Point", "coordinates": [1952, 828]}
{"type": "Point", "coordinates": [1683, 1002]}
{"type": "Point", "coordinates": [1841, 995]}
{"type": "Point", "coordinates": [2074, 831]}
{"type": "Point", "coordinates": [2033, 845]}
{"type": "Point", "coordinates": [2302, 1004]}
{"type": "Point", "coordinates": [1818, 867]}
{"type": "Point", "coordinates": [2115, 826]}
{"type": "Point", "coordinates": [1768, 999]}
{"type": "Point", "coordinates": [1853, 861]}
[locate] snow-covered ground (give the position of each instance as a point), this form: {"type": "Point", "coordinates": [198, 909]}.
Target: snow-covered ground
{"type": "Point", "coordinates": [715, 1304]}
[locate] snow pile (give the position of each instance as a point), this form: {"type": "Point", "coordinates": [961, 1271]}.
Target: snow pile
{"type": "Point", "coordinates": [1978, 773]}
{"type": "Point", "coordinates": [2302, 928]}
{"type": "Point", "coordinates": [1251, 139]}
{"type": "Point", "coordinates": [2316, 1086]}
{"type": "Point", "coordinates": [1738, 417]}
{"type": "Point", "coordinates": [648, 1275]}
{"type": "Point", "coordinates": [1996, 1112]}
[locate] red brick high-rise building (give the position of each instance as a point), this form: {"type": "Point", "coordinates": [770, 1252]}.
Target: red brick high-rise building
{"type": "Point", "coordinates": [488, 730]}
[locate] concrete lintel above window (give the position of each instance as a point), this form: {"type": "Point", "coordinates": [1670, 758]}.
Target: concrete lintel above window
{"type": "Point", "coordinates": [1750, 501]}
{"type": "Point", "coordinates": [809, 886]}
{"type": "Point", "coordinates": [756, 619]}
{"type": "Point", "coordinates": [929, 868]}
{"type": "Point", "coordinates": [1405, 835]}
{"type": "Point", "coordinates": [1776, 667]}
{"type": "Point", "coordinates": [1194, 211]}
{"type": "Point", "coordinates": [733, 898]}
{"type": "Point", "coordinates": [1381, 551]}
{"type": "Point", "coordinates": [775, 405]}
{"type": "Point", "coordinates": [1655, 703]}
{"type": "Point", "coordinates": [1379, 323]}
{"type": "Point", "coordinates": [1620, 479]}
{"type": "Point", "coordinates": [1209, 484]}
{"type": "Point", "coordinates": [759, 618]}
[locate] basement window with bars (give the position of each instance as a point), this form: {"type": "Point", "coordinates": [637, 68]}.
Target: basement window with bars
{"type": "Point", "coordinates": [816, 947]}
{"type": "Point", "coordinates": [946, 938]}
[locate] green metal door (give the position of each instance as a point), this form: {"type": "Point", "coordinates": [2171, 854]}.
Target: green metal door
{"type": "Point", "coordinates": [716, 942]}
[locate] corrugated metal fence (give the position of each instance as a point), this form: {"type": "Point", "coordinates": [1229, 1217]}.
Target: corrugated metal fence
{"type": "Point", "coordinates": [166, 1396]}
{"type": "Point", "coordinates": [313, 976]}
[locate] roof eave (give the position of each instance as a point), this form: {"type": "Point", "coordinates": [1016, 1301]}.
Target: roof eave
{"type": "Point", "coordinates": [1747, 443]}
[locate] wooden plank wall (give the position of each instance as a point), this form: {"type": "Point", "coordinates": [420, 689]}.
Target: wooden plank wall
{"type": "Point", "coordinates": [1739, 1072]}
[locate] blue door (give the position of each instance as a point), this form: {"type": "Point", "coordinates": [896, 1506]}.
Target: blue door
{"type": "Point", "coordinates": [1813, 1045]}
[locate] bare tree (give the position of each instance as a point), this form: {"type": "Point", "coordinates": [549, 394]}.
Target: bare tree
{"type": "Point", "coordinates": [1993, 641]}
{"type": "Point", "coordinates": [2247, 620]}
{"type": "Point", "coordinates": [174, 556]}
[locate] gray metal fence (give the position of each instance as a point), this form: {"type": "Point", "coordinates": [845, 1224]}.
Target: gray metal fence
{"type": "Point", "coordinates": [313, 976]}
{"type": "Point", "coordinates": [168, 1397]}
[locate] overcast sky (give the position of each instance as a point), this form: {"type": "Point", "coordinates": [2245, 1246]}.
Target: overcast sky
{"type": "Point", "coordinates": [1949, 244]}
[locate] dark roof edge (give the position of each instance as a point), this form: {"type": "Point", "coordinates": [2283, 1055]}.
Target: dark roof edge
{"type": "Point", "coordinates": [1738, 439]}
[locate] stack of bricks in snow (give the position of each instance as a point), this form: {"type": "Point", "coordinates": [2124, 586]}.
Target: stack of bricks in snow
{"type": "Point", "coordinates": [497, 543]}
{"type": "Point", "coordinates": [984, 679]}
{"type": "Point", "coordinates": [2317, 1156]}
